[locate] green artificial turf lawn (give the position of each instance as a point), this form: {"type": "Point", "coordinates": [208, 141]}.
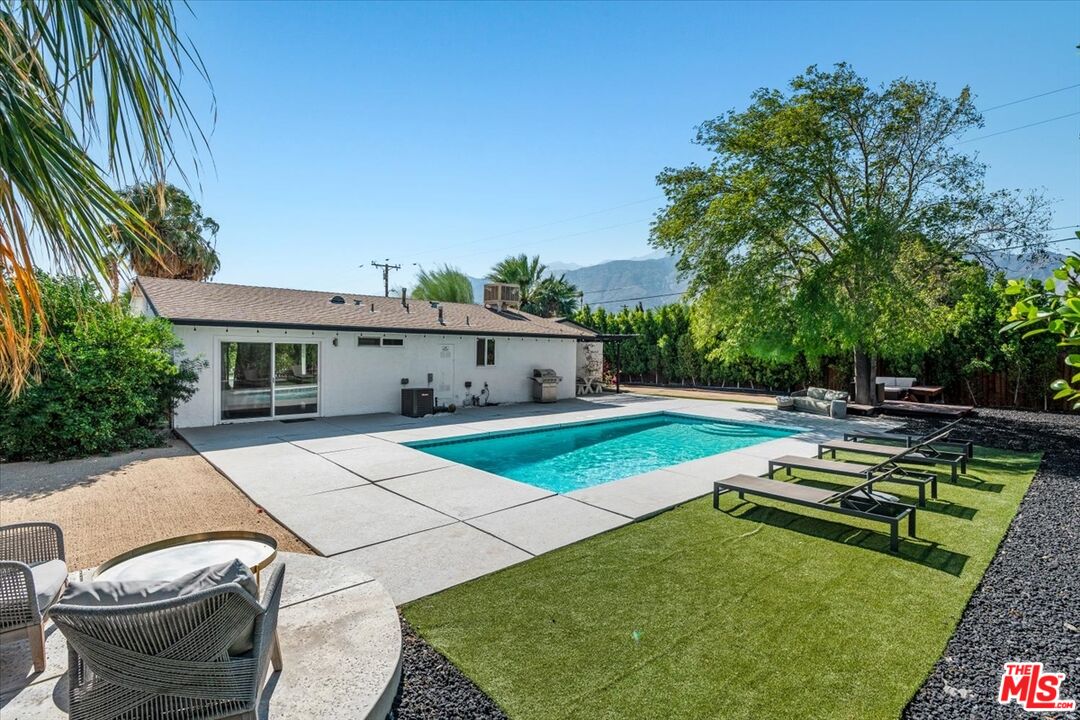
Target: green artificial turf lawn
{"type": "Point", "coordinates": [765, 611]}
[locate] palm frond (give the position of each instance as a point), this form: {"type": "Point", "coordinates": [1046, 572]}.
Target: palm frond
{"type": "Point", "coordinates": [76, 74]}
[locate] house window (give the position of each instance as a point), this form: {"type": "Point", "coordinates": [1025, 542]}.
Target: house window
{"type": "Point", "coordinates": [393, 342]}
{"type": "Point", "coordinates": [367, 341]}
{"type": "Point", "coordinates": [485, 351]}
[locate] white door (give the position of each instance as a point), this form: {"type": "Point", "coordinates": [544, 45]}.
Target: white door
{"type": "Point", "coordinates": [444, 375]}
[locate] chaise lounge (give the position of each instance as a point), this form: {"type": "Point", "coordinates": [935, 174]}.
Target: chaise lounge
{"type": "Point", "coordinates": [901, 476]}
{"type": "Point", "coordinates": [922, 453]}
{"type": "Point", "coordinates": [859, 501]}
{"type": "Point", "coordinates": [943, 435]}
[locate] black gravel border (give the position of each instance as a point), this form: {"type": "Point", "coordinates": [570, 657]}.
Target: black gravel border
{"type": "Point", "coordinates": [1027, 606]}
{"type": "Point", "coordinates": [432, 688]}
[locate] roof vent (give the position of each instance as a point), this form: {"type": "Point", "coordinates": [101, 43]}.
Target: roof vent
{"type": "Point", "coordinates": [434, 303]}
{"type": "Point", "coordinates": [337, 300]}
{"type": "Point", "coordinates": [357, 302]}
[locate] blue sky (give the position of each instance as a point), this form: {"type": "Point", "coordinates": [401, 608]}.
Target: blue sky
{"type": "Point", "coordinates": [461, 133]}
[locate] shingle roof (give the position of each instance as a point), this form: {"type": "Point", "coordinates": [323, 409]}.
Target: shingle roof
{"type": "Point", "coordinates": [187, 302]}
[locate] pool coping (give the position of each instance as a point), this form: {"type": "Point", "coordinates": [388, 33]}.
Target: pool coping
{"type": "Point", "coordinates": [355, 489]}
{"type": "Point", "coordinates": [423, 445]}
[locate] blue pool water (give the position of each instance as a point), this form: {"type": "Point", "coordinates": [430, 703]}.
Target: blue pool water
{"type": "Point", "coordinates": [582, 455]}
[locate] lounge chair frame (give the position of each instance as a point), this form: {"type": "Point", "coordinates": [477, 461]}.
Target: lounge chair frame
{"type": "Point", "coordinates": [899, 475]}
{"type": "Point", "coordinates": [948, 443]}
{"type": "Point", "coordinates": [825, 501]}
{"type": "Point", "coordinates": [922, 453]}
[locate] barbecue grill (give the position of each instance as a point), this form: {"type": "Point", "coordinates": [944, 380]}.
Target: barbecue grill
{"type": "Point", "coordinates": [545, 385]}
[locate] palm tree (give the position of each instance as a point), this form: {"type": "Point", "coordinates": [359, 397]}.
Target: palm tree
{"type": "Point", "coordinates": [73, 75]}
{"type": "Point", "coordinates": [552, 297]}
{"type": "Point", "coordinates": [521, 270]}
{"type": "Point", "coordinates": [179, 246]}
{"type": "Point", "coordinates": [445, 284]}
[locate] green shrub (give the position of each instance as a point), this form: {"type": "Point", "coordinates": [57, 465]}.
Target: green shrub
{"type": "Point", "coordinates": [105, 380]}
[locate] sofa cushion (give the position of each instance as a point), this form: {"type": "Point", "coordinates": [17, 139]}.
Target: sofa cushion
{"type": "Point", "coordinates": [106, 593]}
{"type": "Point", "coordinates": [815, 393]}
{"type": "Point", "coordinates": [905, 382]}
{"type": "Point", "coordinates": [835, 395]}
{"type": "Point", "coordinates": [49, 577]}
{"type": "Point", "coordinates": [808, 404]}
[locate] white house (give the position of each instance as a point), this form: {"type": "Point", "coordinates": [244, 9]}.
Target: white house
{"type": "Point", "coordinates": [278, 353]}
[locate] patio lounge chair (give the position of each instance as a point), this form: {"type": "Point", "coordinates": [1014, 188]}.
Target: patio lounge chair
{"type": "Point", "coordinates": [919, 454]}
{"type": "Point", "coordinates": [198, 655]}
{"type": "Point", "coordinates": [946, 440]}
{"type": "Point", "coordinates": [900, 475]}
{"type": "Point", "coordinates": [858, 501]}
{"type": "Point", "coordinates": [33, 571]}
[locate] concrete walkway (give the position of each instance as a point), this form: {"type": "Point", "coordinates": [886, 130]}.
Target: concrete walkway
{"type": "Point", "coordinates": [418, 523]}
{"type": "Point", "coordinates": [340, 642]}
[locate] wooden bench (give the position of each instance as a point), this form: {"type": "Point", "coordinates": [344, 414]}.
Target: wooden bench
{"type": "Point", "coordinates": [849, 469]}
{"type": "Point", "coordinates": [826, 500]}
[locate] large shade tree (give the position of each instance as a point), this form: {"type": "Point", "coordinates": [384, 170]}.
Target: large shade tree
{"type": "Point", "coordinates": [833, 217]}
{"type": "Point", "coordinates": [101, 74]}
{"type": "Point", "coordinates": [444, 284]}
{"type": "Point", "coordinates": [181, 244]}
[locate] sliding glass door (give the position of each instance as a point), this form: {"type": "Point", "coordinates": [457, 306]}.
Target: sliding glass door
{"type": "Point", "coordinates": [296, 378]}
{"type": "Point", "coordinates": [266, 379]}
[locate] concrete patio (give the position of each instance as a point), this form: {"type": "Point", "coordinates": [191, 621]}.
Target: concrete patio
{"type": "Point", "coordinates": [420, 524]}
{"type": "Point", "coordinates": [340, 641]}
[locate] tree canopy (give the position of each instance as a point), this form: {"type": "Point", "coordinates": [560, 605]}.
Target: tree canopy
{"type": "Point", "coordinates": [1053, 310]}
{"type": "Point", "coordinates": [73, 75]}
{"type": "Point", "coordinates": [180, 244]}
{"type": "Point", "coordinates": [834, 217]}
{"type": "Point", "coordinates": [444, 284]}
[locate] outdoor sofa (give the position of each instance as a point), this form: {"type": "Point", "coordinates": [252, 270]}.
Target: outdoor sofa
{"type": "Point", "coordinates": [817, 400]}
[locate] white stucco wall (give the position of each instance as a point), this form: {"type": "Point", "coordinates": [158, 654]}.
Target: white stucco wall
{"type": "Point", "coordinates": [357, 380]}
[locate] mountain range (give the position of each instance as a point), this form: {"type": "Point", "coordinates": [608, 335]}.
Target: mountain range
{"type": "Point", "coordinates": [653, 280]}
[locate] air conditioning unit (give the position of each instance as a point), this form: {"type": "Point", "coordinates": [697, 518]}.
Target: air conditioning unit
{"type": "Point", "coordinates": [502, 296]}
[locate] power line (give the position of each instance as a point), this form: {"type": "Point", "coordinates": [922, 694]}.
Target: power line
{"type": "Point", "coordinates": [542, 226]}
{"type": "Point", "coordinates": [681, 292]}
{"type": "Point", "coordinates": [1032, 97]}
{"type": "Point", "coordinates": [386, 268]}
{"type": "Point", "coordinates": [1048, 242]}
{"type": "Point", "coordinates": [563, 237]}
{"type": "Point", "coordinates": [1021, 127]}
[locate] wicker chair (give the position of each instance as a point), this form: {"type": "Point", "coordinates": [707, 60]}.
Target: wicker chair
{"type": "Point", "coordinates": [33, 571]}
{"type": "Point", "coordinates": [170, 658]}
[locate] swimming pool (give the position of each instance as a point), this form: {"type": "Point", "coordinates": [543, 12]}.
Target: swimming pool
{"type": "Point", "coordinates": [581, 455]}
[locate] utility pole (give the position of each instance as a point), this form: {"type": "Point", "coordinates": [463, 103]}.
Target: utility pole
{"type": "Point", "coordinates": [386, 268]}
